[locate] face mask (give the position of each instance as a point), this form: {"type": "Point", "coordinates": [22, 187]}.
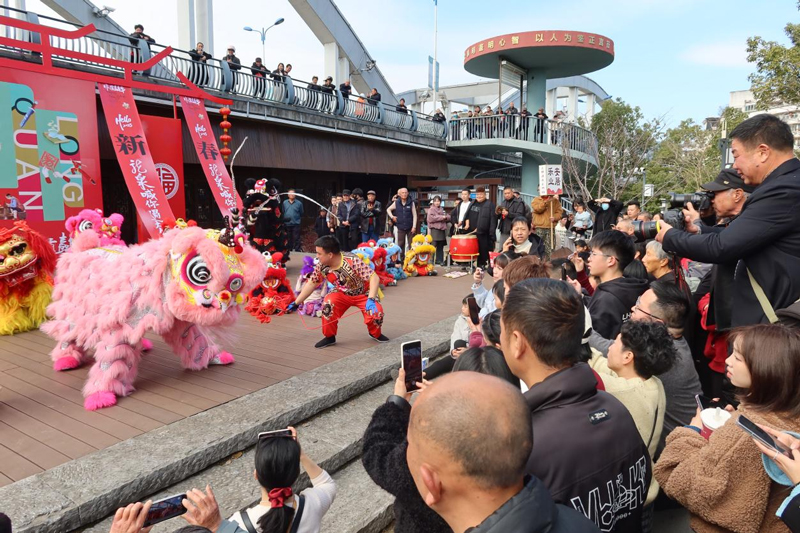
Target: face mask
{"type": "Point", "coordinates": [605, 207]}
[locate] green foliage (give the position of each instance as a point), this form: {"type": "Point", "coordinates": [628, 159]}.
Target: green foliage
{"type": "Point", "coordinates": [777, 76]}
{"type": "Point", "coordinates": [732, 117]}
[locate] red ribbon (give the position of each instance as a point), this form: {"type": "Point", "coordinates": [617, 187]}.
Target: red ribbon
{"type": "Point", "coordinates": [278, 496]}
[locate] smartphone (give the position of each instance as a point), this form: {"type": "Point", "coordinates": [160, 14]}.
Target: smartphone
{"type": "Point", "coordinates": [411, 360]}
{"type": "Point", "coordinates": [165, 509]}
{"type": "Point", "coordinates": [762, 436]}
{"type": "Point", "coordinates": [277, 434]}
{"type": "Point", "coordinates": [563, 273]}
{"type": "Point", "coordinates": [704, 402]}
{"type": "Point", "coordinates": [474, 310]}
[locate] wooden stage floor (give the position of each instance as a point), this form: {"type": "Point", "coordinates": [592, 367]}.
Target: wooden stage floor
{"type": "Point", "coordinates": [43, 422]}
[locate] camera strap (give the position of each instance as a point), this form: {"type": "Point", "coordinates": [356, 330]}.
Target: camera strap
{"type": "Point", "coordinates": [762, 299]}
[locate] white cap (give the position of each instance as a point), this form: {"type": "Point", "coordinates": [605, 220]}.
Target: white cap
{"type": "Point", "coordinates": [231, 47]}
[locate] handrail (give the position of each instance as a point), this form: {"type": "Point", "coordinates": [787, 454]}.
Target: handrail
{"type": "Point", "coordinates": [316, 99]}
{"type": "Point", "coordinates": [361, 108]}
{"type": "Point", "coordinates": [429, 125]}
{"type": "Point", "coordinates": [524, 128]}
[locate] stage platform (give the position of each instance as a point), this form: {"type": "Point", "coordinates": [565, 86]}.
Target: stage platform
{"type": "Point", "coordinates": [43, 423]}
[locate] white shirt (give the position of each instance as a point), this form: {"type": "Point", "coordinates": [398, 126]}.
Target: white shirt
{"type": "Point", "coordinates": [318, 499]}
{"type": "Point", "coordinates": [463, 209]}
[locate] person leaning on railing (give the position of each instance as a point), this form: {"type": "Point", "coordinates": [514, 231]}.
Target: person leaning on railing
{"type": "Point", "coordinates": [260, 72]}
{"type": "Point", "coordinates": [199, 71]}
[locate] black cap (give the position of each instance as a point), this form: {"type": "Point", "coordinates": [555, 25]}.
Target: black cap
{"type": "Point", "coordinates": [346, 191]}
{"type": "Point", "coordinates": [727, 179]}
{"type": "Point", "coordinates": [358, 192]}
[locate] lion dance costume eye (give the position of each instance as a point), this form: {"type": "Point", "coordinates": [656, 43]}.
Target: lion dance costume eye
{"type": "Point", "coordinates": [185, 286]}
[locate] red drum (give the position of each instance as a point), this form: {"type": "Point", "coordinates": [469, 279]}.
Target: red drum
{"type": "Point", "coordinates": [463, 248]}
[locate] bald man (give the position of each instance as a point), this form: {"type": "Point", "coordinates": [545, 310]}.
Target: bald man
{"type": "Point", "coordinates": [469, 438]}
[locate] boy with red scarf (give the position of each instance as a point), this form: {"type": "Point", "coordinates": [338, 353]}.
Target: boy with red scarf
{"type": "Point", "coordinates": [354, 284]}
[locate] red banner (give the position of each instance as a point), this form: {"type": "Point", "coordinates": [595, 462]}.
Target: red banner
{"type": "Point", "coordinates": [135, 158]}
{"type": "Point", "coordinates": [208, 153]}
{"type": "Point", "coordinates": [164, 136]}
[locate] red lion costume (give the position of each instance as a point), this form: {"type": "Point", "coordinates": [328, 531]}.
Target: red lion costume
{"type": "Point", "coordinates": [274, 294]}
{"type": "Point", "coordinates": [27, 263]}
{"type": "Point", "coordinates": [379, 260]}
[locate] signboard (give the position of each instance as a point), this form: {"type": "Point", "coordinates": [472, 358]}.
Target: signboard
{"type": "Point", "coordinates": [208, 153]}
{"type": "Point", "coordinates": [550, 180]}
{"type": "Point", "coordinates": [649, 190]}
{"type": "Point", "coordinates": [49, 151]}
{"type": "Point", "coordinates": [135, 157]}
{"type": "Point", "coordinates": [433, 75]}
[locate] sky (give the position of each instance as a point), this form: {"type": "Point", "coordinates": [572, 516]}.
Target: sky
{"type": "Point", "coordinates": [675, 59]}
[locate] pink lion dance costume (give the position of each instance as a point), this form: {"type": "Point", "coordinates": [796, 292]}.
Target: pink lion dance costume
{"type": "Point", "coordinates": [90, 229]}
{"type": "Point", "coordinates": [313, 304]}
{"type": "Point", "coordinates": [184, 286]}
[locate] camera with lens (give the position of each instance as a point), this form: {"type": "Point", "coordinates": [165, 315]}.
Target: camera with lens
{"type": "Point", "coordinates": [644, 231]}
{"type": "Point", "coordinates": [700, 200]}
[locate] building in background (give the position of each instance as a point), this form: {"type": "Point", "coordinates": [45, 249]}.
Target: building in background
{"type": "Point", "coordinates": [745, 101]}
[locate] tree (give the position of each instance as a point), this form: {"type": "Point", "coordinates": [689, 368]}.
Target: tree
{"type": "Point", "coordinates": [777, 76]}
{"type": "Point", "coordinates": [621, 144]}
{"type": "Point", "coordinates": [732, 117]}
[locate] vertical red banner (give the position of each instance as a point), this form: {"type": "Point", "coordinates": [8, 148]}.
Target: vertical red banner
{"type": "Point", "coordinates": [165, 138]}
{"type": "Point", "coordinates": [208, 153]}
{"type": "Point", "coordinates": [135, 158]}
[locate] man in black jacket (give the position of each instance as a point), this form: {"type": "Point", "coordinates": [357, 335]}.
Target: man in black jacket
{"type": "Point", "coordinates": [374, 96]}
{"type": "Point", "coordinates": [614, 297]}
{"type": "Point", "coordinates": [345, 89]}
{"type": "Point", "coordinates": [606, 212]}
{"type": "Point", "coordinates": [469, 438]}
{"type": "Point", "coordinates": [765, 238]}
{"type": "Point", "coordinates": [234, 64]}
{"type": "Point", "coordinates": [355, 218]}
{"type": "Point", "coordinates": [515, 207]}
{"type": "Point", "coordinates": [371, 210]}
{"type": "Point", "coordinates": [586, 448]}
{"type": "Point", "coordinates": [483, 220]}
{"type": "Point", "coordinates": [344, 213]}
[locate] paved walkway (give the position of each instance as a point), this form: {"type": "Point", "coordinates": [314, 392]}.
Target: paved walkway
{"type": "Point", "coordinates": [43, 422]}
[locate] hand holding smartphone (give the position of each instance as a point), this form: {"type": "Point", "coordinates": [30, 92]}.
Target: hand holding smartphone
{"type": "Point", "coordinates": [704, 402]}
{"type": "Point", "coordinates": [762, 436]}
{"type": "Point", "coordinates": [165, 509]}
{"type": "Point", "coordinates": [411, 360]}
{"type": "Point", "coordinates": [474, 311]}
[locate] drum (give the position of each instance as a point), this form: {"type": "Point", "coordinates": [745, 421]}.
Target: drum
{"type": "Point", "coordinates": [463, 248]}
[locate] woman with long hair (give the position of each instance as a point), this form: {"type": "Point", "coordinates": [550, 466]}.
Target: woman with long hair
{"type": "Point", "coordinates": [722, 481]}
{"type": "Point", "coordinates": [278, 461]}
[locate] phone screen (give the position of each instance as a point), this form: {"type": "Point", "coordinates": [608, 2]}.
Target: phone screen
{"type": "Point", "coordinates": [765, 438]}
{"type": "Point", "coordinates": [704, 402]}
{"type": "Point", "coordinates": [165, 509]}
{"type": "Point", "coordinates": [474, 310]}
{"type": "Point", "coordinates": [563, 273]}
{"type": "Point", "coordinates": [412, 364]}
{"type": "Point", "coordinates": [279, 433]}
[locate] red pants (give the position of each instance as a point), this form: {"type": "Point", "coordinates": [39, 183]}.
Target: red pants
{"type": "Point", "coordinates": [337, 303]}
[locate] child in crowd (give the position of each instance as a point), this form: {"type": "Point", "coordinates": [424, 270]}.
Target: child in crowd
{"type": "Point", "coordinates": [561, 232]}
{"type": "Point", "coordinates": [461, 326]}
{"type": "Point", "coordinates": [582, 221]}
{"type": "Point", "coordinates": [321, 224]}
{"type": "Point", "coordinates": [582, 249]}
{"type": "Point", "coordinates": [484, 297]}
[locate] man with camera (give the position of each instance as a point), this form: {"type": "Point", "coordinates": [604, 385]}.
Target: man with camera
{"type": "Point", "coordinates": [765, 238]}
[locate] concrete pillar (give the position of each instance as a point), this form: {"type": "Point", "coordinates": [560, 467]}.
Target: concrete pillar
{"type": "Point", "coordinates": [186, 20]}
{"type": "Point", "coordinates": [331, 62]}
{"type": "Point", "coordinates": [343, 69]}
{"type": "Point", "coordinates": [537, 96]}
{"type": "Point", "coordinates": [591, 101]}
{"type": "Point", "coordinates": [552, 100]}
{"type": "Point", "coordinates": [204, 12]}
{"type": "Point", "coordinates": [572, 103]}
{"type": "Point", "coordinates": [530, 175]}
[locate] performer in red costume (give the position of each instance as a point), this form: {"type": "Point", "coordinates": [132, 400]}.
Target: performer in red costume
{"type": "Point", "coordinates": [354, 284]}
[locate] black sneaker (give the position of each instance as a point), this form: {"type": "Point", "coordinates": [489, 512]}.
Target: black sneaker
{"type": "Point", "coordinates": [381, 338]}
{"type": "Point", "coordinates": [324, 343]}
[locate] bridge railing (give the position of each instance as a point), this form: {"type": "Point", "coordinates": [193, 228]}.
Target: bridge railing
{"type": "Point", "coordinates": [395, 118]}
{"type": "Point", "coordinates": [431, 126]}
{"type": "Point", "coordinates": [314, 99]}
{"type": "Point", "coordinates": [265, 88]}
{"type": "Point", "coordinates": [361, 108]}
{"type": "Point", "coordinates": [530, 129]}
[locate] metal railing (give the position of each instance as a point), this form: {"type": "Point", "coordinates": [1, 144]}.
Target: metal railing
{"type": "Point", "coordinates": [119, 55]}
{"type": "Point", "coordinates": [428, 125]}
{"type": "Point", "coordinates": [522, 128]}
{"type": "Point", "coordinates": [361, 108]}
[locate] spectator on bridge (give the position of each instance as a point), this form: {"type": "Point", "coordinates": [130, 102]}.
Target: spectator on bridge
{"type": "Point", "coordinates": [541, 118]}
{"type": "Point", "coordinates": [260, 72]}
{"type": "Point", "coordinates": [198, 73]}
{"type": "Point", "coordinates": [525, 123]}
{"type": "Point", "coordinates": [313, 93]}
{"type": "Point", "coordinates": [439, 116]}
{"type": "Point", "coordinates": [371, 210]}
{"type": "Point", "coordinates": [374, 96]}
{"type": "Point", "coordinates": [721, 480]}
{"type": "Point", "coordinates": [279, 73]}
{"type": "Point", "coordinates": [606, 212]}
{"type": "Point", "coordinates": [277, 467]}
{"type": "Point", "coordinates": [314, 85]}
{"type": "Point", "coordinates": [293, 212]}
{"type": "Point", "coordinates": [466, 451]}
{"type": "Point", "coordinates": [547, 211]}
{"type": "Point", "coordinates": [288, 69]}
{"type": "Point", "coordinates": [483, 220]}
{"type": "Point", "coordinates": [233, 63]}
{"type": "Point", "coordinates": [403, 213]}
{"type": "Point", "coordinates": [583, 438]}
{"type": "Point", "coordinates": [328, 86]}
{"type": "Point", "coordinates": [401, 107]}
{"type": "Point", "coordinates": [134, 38]}
{"type": "Point", "coordinates": [345, 89]}
{"type": "Point", "coordinates": [437, 226]}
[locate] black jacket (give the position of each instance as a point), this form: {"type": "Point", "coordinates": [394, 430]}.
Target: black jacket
{"type": "Point", "coordinates": [587, 450]}
{"type": "Point", "coordinates": [234, 64]}
{"type": "Point", "coordinates": [367, 214]}
{"type": "Point", "coordinates": [516, 208]}
{"type": "Point", "coordinates": [532, 510]}
{"type": "Point", "coordinates": [259, 71]}
{"type": "Point", "coordinates": [136, 36]}
{"type": "Point", "coordinates": [384, 459]}
{"type": "Point", "coordinates": [791, 514]}
{"type": "Point", "coordinates": [482, 218]}
{"type": "Point", "coordinates": [321, 226]}
{"type": "Point", "coordinates": [327, 88]}
{"type": "Point", "coordinates": [603, 220]}
{"type": "Point", "coordinates": [345, 90]}
{"type": "Point", "coordinates": [375, 98]}
{"type": "Point", "coordinates": [611, 304]}
{"type": "Point", "coordinates": [314, 87]}
{"type": "Point", "coordinates": [764, 238]}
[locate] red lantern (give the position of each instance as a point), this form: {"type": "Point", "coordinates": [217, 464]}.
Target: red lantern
{"type": "Point", "coordinates": [225, 138]}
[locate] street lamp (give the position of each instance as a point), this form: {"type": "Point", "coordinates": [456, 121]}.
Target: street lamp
{"type": "Point", "coordinates": [263, 32]}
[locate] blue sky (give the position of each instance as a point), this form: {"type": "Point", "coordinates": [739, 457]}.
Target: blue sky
{"type": "Point", "coordinates": [674, 58]}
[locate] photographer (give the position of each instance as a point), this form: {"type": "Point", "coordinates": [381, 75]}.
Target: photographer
{"type": "Point", "coordinates": [764, 239]}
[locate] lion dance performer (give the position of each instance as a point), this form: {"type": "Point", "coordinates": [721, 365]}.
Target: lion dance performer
{"type": "Point", "coordinates": [27, 263]}
{"type": "Point", "coordinates": [354, 284]}
{"type": "Point", "coordinates": [265, 217]}
{"type": "Point", "coordinates": [185, 286]}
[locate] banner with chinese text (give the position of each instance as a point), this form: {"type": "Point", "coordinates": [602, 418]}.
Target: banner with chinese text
{"type": "Point", "coordinates": [550, 180]}
{"type": "Point", "coordinates": [208, 153]}
{"type": "Point", "coordinates": [135, 158]}
{"type": "Point", "coordinates": [165, 138]}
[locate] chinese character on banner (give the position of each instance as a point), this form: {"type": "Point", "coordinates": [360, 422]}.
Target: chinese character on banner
{"type": "Point", "coordinates": [550, 180]}
{"type": "Point", "coordinates": [208, 151]}
{"type": "Point", "coordinates": [130, 144]}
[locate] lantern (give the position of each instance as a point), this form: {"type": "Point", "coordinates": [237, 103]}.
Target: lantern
{"type": "Point", "coordinates": [225, 138]}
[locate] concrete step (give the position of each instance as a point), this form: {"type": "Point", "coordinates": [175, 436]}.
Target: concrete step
{"type": "Point", "coordinates": [360, 506]}
{"type": "Point", "coordinates": [88, 489]}
{"type": "Point", "coordinates": [332, 438]}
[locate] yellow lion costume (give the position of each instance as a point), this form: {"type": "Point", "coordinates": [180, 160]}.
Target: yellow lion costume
{"type": "Point", "coordinates": [419, 259]}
